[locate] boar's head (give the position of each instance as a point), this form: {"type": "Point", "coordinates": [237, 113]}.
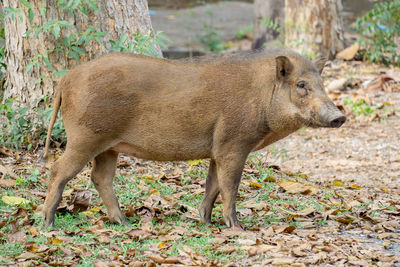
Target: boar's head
{"type": "Point", "coordinates": [301, 87]}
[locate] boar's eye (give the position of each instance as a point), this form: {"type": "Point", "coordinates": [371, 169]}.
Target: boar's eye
{"type": "Point", "coordinates": [301, 85]}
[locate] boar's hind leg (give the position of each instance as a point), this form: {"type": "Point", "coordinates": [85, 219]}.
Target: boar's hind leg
{"type": "Point", "coordinates": [63, 170]}
{"type": "Point", "coordinates": [212, 191]}
{"type": "Point", "coordinates": [103, 172]}
{"type": "Point", "coordinates": [229, 169]}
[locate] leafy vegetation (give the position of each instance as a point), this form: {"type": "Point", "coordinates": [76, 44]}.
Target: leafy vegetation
{"type": "Point", "coordinates": [360, 107]}
{"type": "Point", "coordinates": [211, 39]}
{"type": "Point", "coordinates": [72, 45]}
{"type": "Point", "coordinates": [380, 33]}
{"type": "Point", "coordinates": [270, 24]}
{"type": "Point", "coordinates": [244, 32]}
{"type": "Point", "coordinates": [26, 127]}
{"type": "Point", "coordinates": [210, 36]}
{"type": "Point", "coordinates": [140, 43]}
{"type": "Point", "coordinates": [2, 50]}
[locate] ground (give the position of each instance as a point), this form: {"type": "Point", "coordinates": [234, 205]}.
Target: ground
{"type": "Point", "coordinates": [318, 197]}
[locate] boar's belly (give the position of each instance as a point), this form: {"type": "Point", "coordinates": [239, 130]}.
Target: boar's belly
{"type": "Point", "coordinates": [163, 153]}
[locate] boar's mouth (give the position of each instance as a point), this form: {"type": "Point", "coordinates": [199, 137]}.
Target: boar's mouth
{"type": "Point", "coordinates": [331, 119]}
{"type": "Point", "coordinates": [311, 122]}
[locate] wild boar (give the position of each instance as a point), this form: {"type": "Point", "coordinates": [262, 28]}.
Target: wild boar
{"type": "Point", "coordinates": [158, 109]}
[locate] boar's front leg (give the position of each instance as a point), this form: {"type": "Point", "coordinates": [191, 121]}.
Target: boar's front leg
{"type": "Point", "coordinates": [212, 191]}
{"type": "Point", "coordinates": [103, 172]}
{"type": "Point", "coordinates": [229, 169]}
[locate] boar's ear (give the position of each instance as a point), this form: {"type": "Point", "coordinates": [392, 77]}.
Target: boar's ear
{"type": "Point", "coordinates": [283, 67]}
{"type": "Point", "coordinates": [320, 63]}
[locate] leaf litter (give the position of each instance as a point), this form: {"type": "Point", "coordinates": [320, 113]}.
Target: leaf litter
{"type": "Point", "coordinates": [318, 197]}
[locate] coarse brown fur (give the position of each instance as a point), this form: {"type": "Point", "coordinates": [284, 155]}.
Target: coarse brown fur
{"type": "Point", "coordinates": [221, 108]}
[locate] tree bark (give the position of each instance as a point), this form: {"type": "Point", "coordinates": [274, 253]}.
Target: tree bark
{"type": "Point", "coordinates": [114, 17]}
{"type": "Point", "coordinates": [273, 10]}
{"type": "Point", "coordinates": [314, 27]}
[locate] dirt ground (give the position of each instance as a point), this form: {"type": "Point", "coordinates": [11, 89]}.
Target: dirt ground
{"type": "Point", "coordinates": [366, 153]}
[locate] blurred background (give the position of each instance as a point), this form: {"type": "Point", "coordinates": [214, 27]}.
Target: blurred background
{"type": "Point", "coordinates": [197, 27]}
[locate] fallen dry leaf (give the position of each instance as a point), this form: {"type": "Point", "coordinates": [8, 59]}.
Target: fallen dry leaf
{"type": "Point", "coordinates": [338, 183]}
{"type": "Point", "coordinates": [79, 201]}
{"type": "Point", "coordinates": [255, 205]}
{"type": "Point", "coordinates": [136, 234]}
{"type": "Point", "coordinates": [383, 82]}
{"type": "Point", "coordinates": [282, 261]}
{"type": "Point", "coordinates": [304, 212]}
{"type": "Point", "coordinates": [283, 228]}
{"type": "Point", "coordinates": [4, 151]}
{"type": "Point", "coordinates": [33, 230]}
{"type": "Point", "coordinates": [346, 219]}
{"type": "Point", "coordinates": [227, 249]}
{"type": "Point", "coordinates": [356, 186]}
{"type": "Point", "coordinates": [336, 85]}
{"type": "Point", "coordinates": [13, 201]}
{"type": "Point", "coordinates": [27, 256]}
{"type": "Point", "coordinates": [255, 184]}
{"type": "Point", "coordinates": [17, 237]}
{"type": "Point", "coordinates": [162, 260]}
{"type": "Point", "coordinates": [349, 53]}
{"type": "Point", "coordinates": [7, 183]}
{"type": "Point", "coordinates": [294, 187]}
{"type": "Point", "coordinates": [6, 171]}
{"type": "Point", "coordinates": [56, 241]}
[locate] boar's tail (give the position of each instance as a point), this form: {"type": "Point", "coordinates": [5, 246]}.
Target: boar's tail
{"type": "Point", "coordinates": [56, 107]}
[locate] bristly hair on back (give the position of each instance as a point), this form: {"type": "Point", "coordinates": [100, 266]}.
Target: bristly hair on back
{"type": "Point", "coordinates": [239, 56]}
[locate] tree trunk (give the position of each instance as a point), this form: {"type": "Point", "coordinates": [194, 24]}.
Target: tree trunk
{"type": "Point", "coordinates": [314, 27]}
{"type": "Point", "coordinates": [114, 17]}
{"type": "Point", "coordinates": [266, 12]}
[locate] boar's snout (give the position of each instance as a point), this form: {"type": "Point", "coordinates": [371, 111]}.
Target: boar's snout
{"type": "Point", "coordinates": [330, 116]}
{"type": "Point", "coordinates": [337, 122]}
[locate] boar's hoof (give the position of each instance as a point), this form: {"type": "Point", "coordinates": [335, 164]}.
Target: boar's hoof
{"type": "Point", "coordinates": [48, 221]}
{"type": "Point", "coordinates": [204, 219]}
{"type": "Point", "coordinates": [336, 123]}
{"type": "Point", "coordinates": [119, 219]}
{"type": "Point", "coordinates": [205, 215]}
{"type": "Point", "coordinates": [231, 221]}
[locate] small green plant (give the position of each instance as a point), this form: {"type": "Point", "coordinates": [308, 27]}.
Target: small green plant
{"type": "Point", "coordinates": [3, 65]}
{"type": "Point", "coordinates": [265, 173]}
{"type": "Point", "coordinates": [23, 129]}
{"type": "Point", "coordinates": [279, 154]}
{"type": "Point", "coordinates": [244, 32]}
{"type": "Point", "coordinates": [140, 43]}
{"type": "Point", "coordinates": [380, 33]}
{"type": "Point", "coordinates": [30, 179]}
{"type": "Point", "coordinates": [360, 107]}
{"type": "Point", "coordinates": [322, 223]}
{"type": "Point", "coordinates": [270, 24]}
{"type": "Point", "coordinates": [211, 40]}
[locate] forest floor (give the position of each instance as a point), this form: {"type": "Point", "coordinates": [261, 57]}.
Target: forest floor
{"type": "Point", "coordinates": [318, 197]}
